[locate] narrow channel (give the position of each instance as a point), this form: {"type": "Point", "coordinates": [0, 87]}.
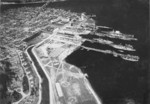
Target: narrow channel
{"type": "Point", "coordinates": [45, 84]}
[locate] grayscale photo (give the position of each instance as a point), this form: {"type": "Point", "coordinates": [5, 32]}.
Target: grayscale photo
{"type": "Point", "coordinates": [74, 52]}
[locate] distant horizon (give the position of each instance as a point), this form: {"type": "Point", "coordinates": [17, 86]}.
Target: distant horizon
{"type": "Point", "coordinates": [20, 1]}
{"type": "Point", "coordinates": [13, 2]}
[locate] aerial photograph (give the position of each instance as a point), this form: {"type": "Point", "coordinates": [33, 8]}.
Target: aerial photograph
{"type": "Point", "coordinates": [74, 52]}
